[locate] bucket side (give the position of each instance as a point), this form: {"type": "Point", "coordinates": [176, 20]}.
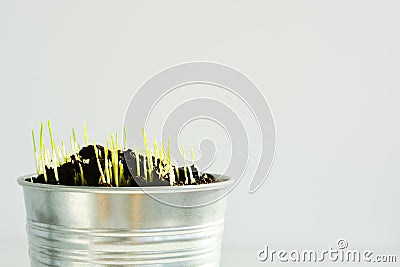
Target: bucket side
{"type": "Point", "coordinates": [198, 245]}
{"type": "Point", "coordinates": [67, 228]}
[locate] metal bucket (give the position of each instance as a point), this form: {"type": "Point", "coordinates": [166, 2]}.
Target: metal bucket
{"type": "Point", "coordinates": [92, 226]}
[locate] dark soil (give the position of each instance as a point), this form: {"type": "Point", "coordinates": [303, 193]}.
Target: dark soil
{"type": "Point", "coordinates": [69, 173]}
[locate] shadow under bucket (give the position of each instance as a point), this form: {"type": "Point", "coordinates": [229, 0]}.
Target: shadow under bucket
{"type": "Point", "coordinates": [125, 226]}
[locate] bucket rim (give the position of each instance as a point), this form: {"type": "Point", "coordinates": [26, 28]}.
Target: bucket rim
{"type": "Point", "coordinates": [226, 182]}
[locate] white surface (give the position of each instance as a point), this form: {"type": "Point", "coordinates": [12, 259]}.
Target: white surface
{"type": "Point", "coordinates": [329, 70]}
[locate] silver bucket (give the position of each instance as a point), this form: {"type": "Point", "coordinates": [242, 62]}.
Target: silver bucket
{"type": "Point", "coordinates": [92, 226]}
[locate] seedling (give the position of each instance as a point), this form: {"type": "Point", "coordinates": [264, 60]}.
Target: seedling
{"type": "Point", "coordinates": [82, 175]}
{"type": "Point", "coordinates": [36, 156]}
{"type": "Point", "coordinates": [96, 152]}
{"type": "Point", "coordinates": [53, 151]}
{"type": "Point", "coordinates": [125, 143]}
{"type": "Point", "coordinates": [85, 134]}
{"type": "Point", "coordinates": [192, 180]}
{"type": "Point", "coordinates": [137, 162]}
{"type": "Point", "coordinates": [184, 165]}
{"type": "Point", "coordinates": [111, 165]}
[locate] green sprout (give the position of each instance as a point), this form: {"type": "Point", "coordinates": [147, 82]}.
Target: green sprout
{"type": "Point", "coordinates": [192, 180]}
{"type": "Point", "coordinates": [36, 155]}
{"type": "Point", "coordinates": [169, 151]}
{"type": "Point", "coordinates": [115, 164]}
{"type": "Point", "coordinates": [144, 166]}
{"type": "Point", "coordinates": [148, 156]}
{"type": "Point", "coordinates": [137, 162]}
{"type": "Point", "coordinates": [110, 171]}
{"type": "Point", "coordinates": [82, 176]}
{"type": "Point", "coordinates": [171, 175]}
{"type": "Point", "coordinates": [47, 158]}
{"type": "Point", "coordinates": [162, 152]}
{"type": "Point", "coordinates": [125, 143]}
{"type": "Point", "coordinates": [157, 162]}
{"type": "Point", "coordinates": [42, 152]}
{"type": "Point", "coordinates": [75, 147]}
{"type": "Point", "coordinates": [106, 169]}
{"type": "Point", "coordinates": [96, 152]}
{"type": "Point", "coordinates": [121, 171]}
{"type": "Point", "coordinates": [85, 134]}
{"type": "Point", "coordinates": [51, 135]}
{"type": "Point", "coordinates": [177, 171]}
{"type": "Point", "coordinates": [184, 166]}
{"type": "Point", "coordinates": [149, 164]}
{"type": "Point", "coordinates": [192, 153]}
{"type": "Point", "coordinates": [155, 150]}
{"type": "Point", "coordinates": [44, 173]}
{"type": "Point", "coordinates": [170, 168]}
{"type": "Point", "coordinates": [144, 138]}
{"type": "Point", "coordinates": [157, 156]}
{"type": "Point", "coordinates": [53, 151]}
{"type": "Point", "coordinates": [169, 165]}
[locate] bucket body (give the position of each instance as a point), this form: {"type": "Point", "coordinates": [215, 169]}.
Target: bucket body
{"type": "Point", "coordinates": [94, 226]}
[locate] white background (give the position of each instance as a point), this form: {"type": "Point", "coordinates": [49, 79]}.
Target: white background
{"type": "Point", "coordinates": [329, 69]}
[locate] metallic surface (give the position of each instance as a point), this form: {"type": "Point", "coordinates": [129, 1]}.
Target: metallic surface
{"type": "Point", "coordinates": [83, 226]}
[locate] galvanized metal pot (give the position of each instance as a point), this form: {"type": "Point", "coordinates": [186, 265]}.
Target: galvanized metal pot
{"type": "Point", "coordinates": [94, 226]}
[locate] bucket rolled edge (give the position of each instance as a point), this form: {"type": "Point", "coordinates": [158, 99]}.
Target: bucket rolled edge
{"type": "Point", "coordinates": [226, 182]}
